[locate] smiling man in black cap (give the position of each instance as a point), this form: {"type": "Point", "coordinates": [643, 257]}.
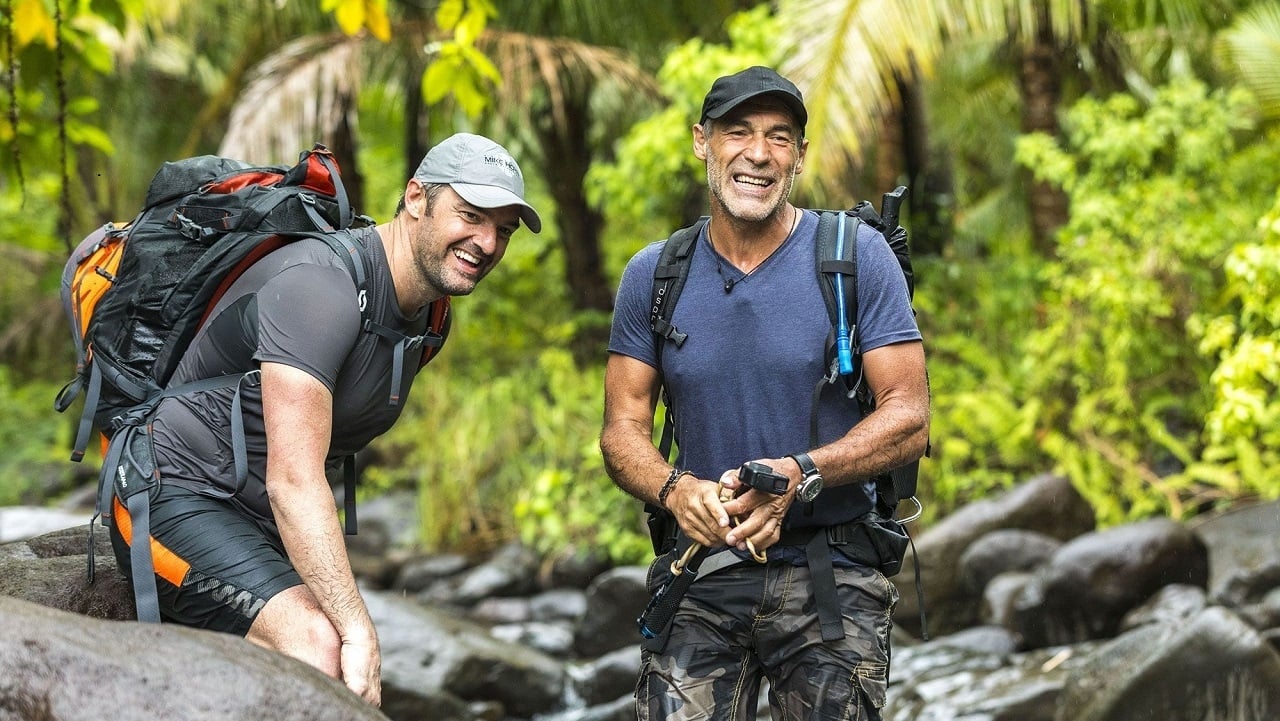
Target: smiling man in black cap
{"type": "Point", "coordinates": [781, 595]}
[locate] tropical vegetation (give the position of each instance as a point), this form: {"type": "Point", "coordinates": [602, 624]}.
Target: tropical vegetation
{"type": "Point", "coordinates": [1094, 213]}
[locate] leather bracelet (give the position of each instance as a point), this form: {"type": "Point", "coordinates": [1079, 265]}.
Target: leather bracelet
{"type": "Point", "coordinates": [670, 484]}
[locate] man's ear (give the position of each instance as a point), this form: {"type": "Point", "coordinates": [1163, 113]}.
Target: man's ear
{"type": "Point", "coordinates": [801, 151]}
{"type": "Point", "coordinates": [700, 142]}
{"type": "Point", "coordinates": [415, 199]}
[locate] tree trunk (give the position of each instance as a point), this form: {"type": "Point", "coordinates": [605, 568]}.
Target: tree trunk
{"type": "Point", "coordinates": [1041, 94]}
{"type": "Point", "coordinates": [417, 131]}
{"type": "Point", "coordinates": [566, 158]}
{"type": "Point", "coordinates": [928, 177]}
{"type": "Point", "coordinates": [345, 146]}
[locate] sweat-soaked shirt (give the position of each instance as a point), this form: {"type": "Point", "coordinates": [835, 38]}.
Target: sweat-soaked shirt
{"type": "Point", "coordinates": [297, 306]}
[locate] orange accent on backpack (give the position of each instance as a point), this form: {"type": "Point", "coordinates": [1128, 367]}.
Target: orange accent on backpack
{"type": "Point", "coordinates": [95, 274]}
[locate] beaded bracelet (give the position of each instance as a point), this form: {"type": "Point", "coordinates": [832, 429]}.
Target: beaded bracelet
{"type": "Point", "coordinates": [670, 484]}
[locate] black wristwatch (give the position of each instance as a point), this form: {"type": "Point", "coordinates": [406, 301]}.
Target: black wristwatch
{"type": "Point", "coordinates": [810, 479]}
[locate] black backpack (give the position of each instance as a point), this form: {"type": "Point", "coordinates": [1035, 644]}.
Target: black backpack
{"type": "Point", "coordinates": [837, 263]}
{"type": "Point", "coordinates": [137, 293]}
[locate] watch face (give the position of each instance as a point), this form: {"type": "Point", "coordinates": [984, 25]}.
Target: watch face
{"type": "Point", "coordinates": [809, 488]}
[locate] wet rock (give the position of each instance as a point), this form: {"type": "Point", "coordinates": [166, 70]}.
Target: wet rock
{"type": "Point", "coordinates": [1000, 596]}
{"type": "Point", "coordinates": [611, 676]}
{"type": "Point", "coordinates": [1092, 581]}
{"type": "Point", "coordinates": [614, 600]}
{"type": "Point", "coordinates": [1171, 604]}
{"type": "Point", "coordinates": [568, 604]}
{"type": "Point", "coordinates": [1004, 551]}
{"type": "Point", "coordinates": [1212, 666]}
{"type": "Point", "coordinates": [623, 709]}
{"type": "Point", "coordinates": [428, 655]}
{"type": "Point", "coordinates": [512, 571]}
{"type": "Point", "coordinates": [1047, 504]}
{"type": "Point", "coordinates": [554, 638]}
{"type": "Point", "coordinates": [419, 574]}
{"type": "Point", "coordinates": [52, 570]}
{"type": "Point", "coordinates": [68, 667]}
{"type": "Point", "coordinates": [573, 568]}
{"type": "Point", "coordinates": [1244, 553]}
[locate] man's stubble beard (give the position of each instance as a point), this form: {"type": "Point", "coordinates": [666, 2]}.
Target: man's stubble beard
{"type": "Point", "coordinates": [434, 274]}
{"type": "Point", "coordinates": [719, 177]}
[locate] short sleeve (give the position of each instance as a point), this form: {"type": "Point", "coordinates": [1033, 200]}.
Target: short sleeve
{"type": "Point", "coordinates": [630, 334]}
{"type": "Point", "coordinates": [308, 318]}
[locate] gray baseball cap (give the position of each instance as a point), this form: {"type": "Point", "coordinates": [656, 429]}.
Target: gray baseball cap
{"type": "Point", "coordinates": [479, 170]}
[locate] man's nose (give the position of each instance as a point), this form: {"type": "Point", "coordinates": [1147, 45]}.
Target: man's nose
{"type": "Point", "coordinates": [487, 238]}
{"type": "Point", "coordinates": [758, 147]}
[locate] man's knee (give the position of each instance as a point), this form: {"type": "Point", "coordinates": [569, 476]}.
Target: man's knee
{"type": "Point", "coordinates": [293, 624]}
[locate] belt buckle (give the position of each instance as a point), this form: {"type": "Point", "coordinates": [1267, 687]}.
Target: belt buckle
{"type": "Point", "coordinates": [838, 535]}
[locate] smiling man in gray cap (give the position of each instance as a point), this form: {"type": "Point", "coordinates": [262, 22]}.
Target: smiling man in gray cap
{"type": "Point", "coordinates": [266, 559]}
{"type": "Point", "coordinates": [790, 589]}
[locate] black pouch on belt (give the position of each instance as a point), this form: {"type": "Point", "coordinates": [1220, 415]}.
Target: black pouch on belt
{"type": "Point", "coordinates": [882, 543]}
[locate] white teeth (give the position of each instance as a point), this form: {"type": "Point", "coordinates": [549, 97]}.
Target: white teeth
{"type": "Point", "coordinates": [752, 181]}
{"type": "Point", "coordinates": [467, 257]}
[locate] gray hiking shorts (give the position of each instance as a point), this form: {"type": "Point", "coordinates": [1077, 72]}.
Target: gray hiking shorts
{"type": "Point", "coordinates": [215, 567]}
{"type": "Point", "coordinates": [748, 622]}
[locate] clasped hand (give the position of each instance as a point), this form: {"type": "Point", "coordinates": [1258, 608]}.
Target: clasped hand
{"type": "Point", "coordinates": [731, 513]}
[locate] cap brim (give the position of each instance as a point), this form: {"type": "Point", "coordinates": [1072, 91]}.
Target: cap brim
{"type": "Point", "coordinates": [489, 196]}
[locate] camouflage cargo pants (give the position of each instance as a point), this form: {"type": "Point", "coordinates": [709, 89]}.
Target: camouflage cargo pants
{"type": "Point", "coordinates": [748, 622]}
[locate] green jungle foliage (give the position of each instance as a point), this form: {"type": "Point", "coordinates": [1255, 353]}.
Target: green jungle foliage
{"type": "Point", "coordinates": [34, 467]}
{"type": "Point", "coordinates": [1099, 363]}
{"type": "Point", "coordinates": [1242, 429]}
{"type": "Point", "coordinates": [1140, 360]}
{"type": "Point", "coordinates": [1162, 197]}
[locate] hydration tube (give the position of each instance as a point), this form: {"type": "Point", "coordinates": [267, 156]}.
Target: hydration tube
{"type": "Point", "coordinates": [844, 354]}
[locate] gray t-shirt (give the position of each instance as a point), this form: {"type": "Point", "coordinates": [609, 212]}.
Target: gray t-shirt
{"type": "Point", "coordinates": [742, 385]}
{"type": "Point", "coordinates": [296, 306]}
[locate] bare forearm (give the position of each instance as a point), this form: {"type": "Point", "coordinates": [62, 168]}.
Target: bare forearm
{"type": "Point", "coordinates": [312, 537]}
{"type": "Point", "coordinates": [632, 461]}
{"type": "Point", "coordinates": [890, 437]}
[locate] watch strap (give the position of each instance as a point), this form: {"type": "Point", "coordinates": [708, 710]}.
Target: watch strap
{"type": "Point", "coordinates": [807, 466]}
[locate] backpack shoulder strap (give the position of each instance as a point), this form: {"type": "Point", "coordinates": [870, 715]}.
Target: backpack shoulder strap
{"type": "Point", "coordinates": [668, 281]}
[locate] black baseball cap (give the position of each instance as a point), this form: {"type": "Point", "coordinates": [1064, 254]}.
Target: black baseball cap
{"type": "Point", "coordinates": [732, 90]}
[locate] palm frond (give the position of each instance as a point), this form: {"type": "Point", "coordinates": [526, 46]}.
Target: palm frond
{"type": "Point", "coordinates": [297, 96]}
{"type": "Point", "coordinates": [849, 58]}
{"type": "Point", "coordinates": [562, 69]}
{"type": "Point", "coordinates": [1251, 50]}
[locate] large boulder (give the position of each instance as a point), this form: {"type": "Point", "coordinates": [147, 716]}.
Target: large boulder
{"type": "Point", "coordinates": [1090, 584]}
{"type": "Point", "coordinates": [1244, 553]}
{"type": "Point", "coordinates": [1211, 666]}
{"type": "Point", "coordinates": [51, 570]}
{"type": "Point", "coordinates": [57, 666]}
{"type": "Point", "coordinates": [433, 663]}
{"type": "Point", "coordinates": [1048, 504]}
{"type": "Point", "coordinates": [614, 600]}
